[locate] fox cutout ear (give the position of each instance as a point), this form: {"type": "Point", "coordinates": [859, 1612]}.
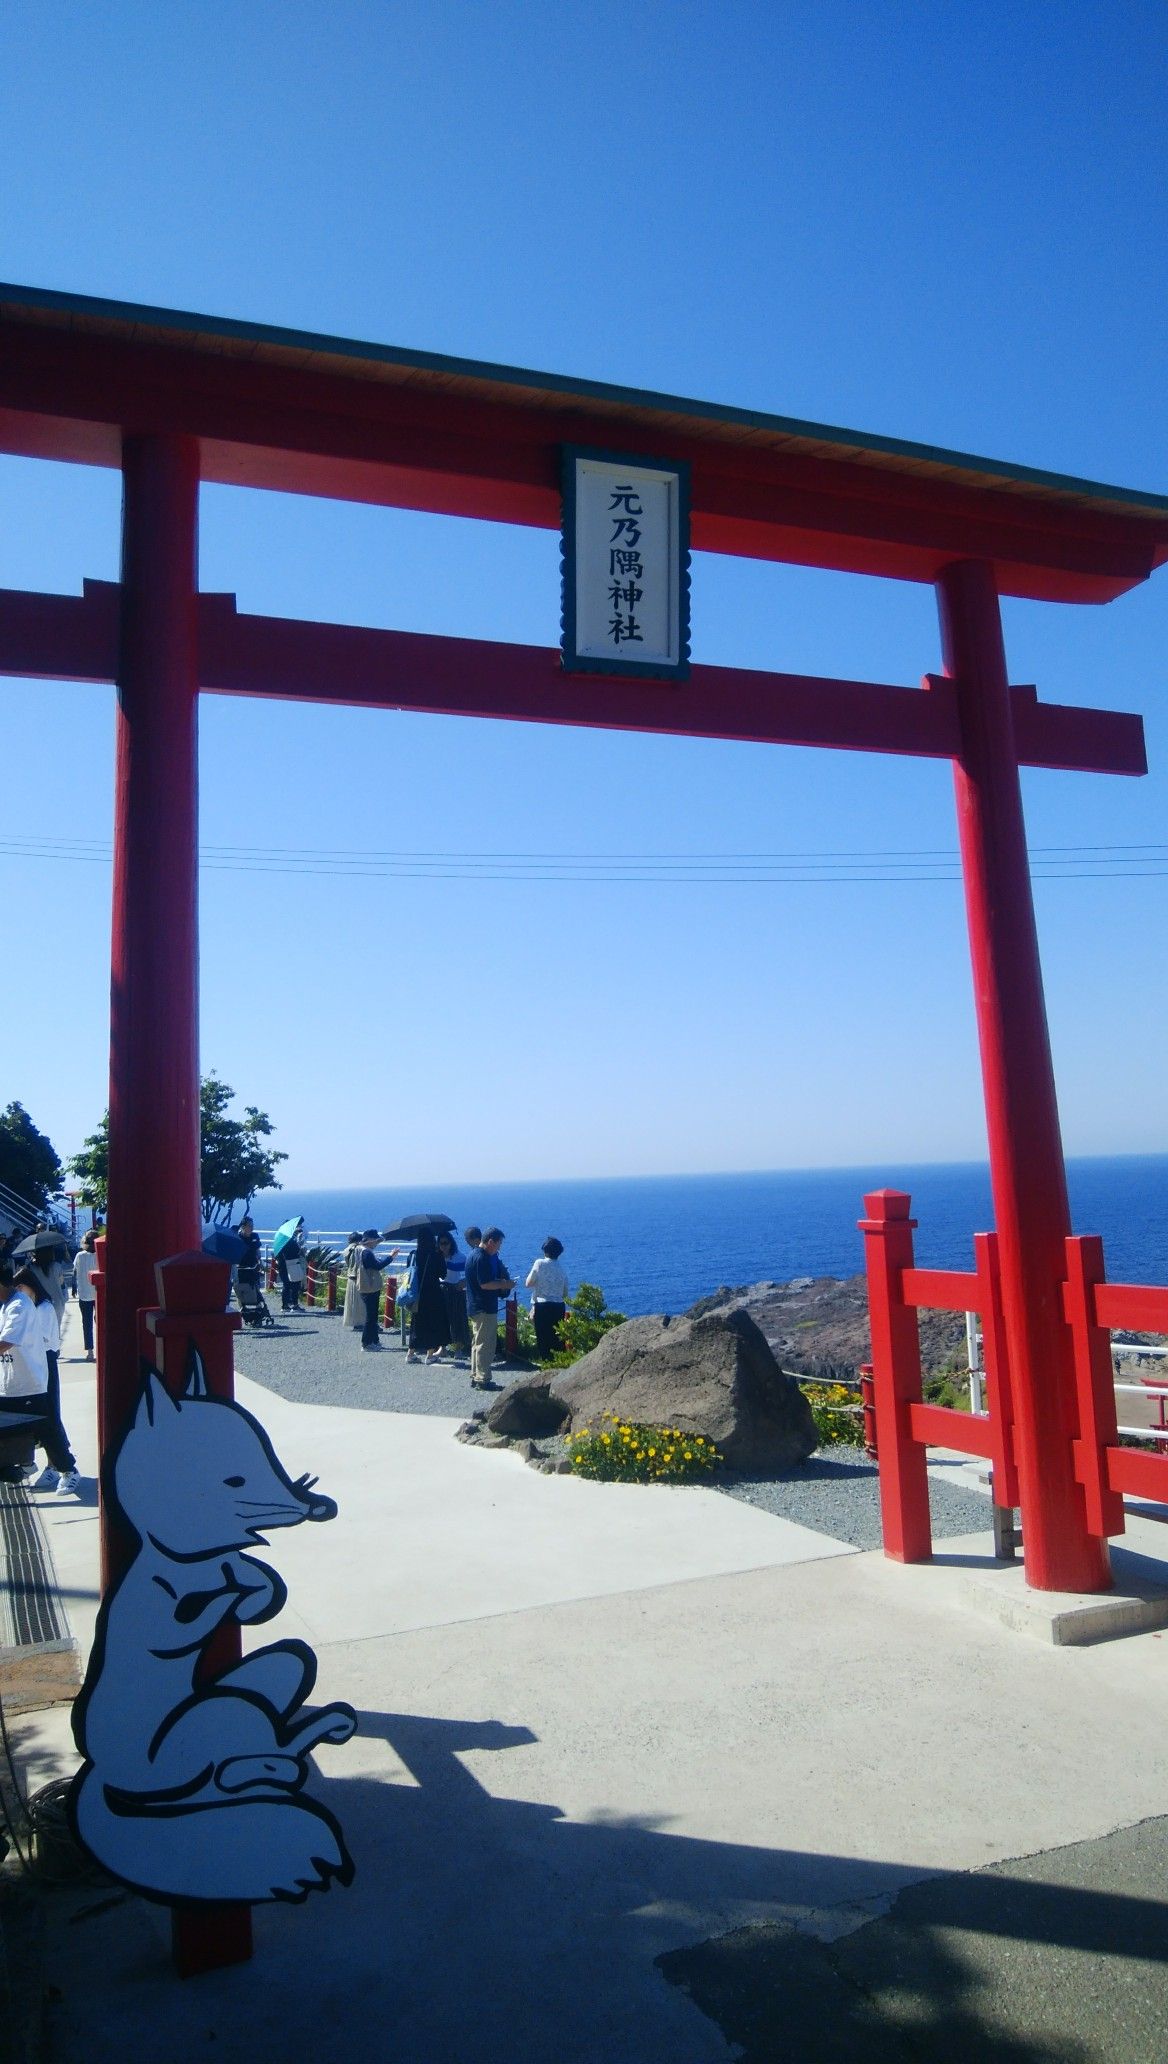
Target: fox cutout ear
{"type": "Point", "coordinates": [196, 1375]}
{"type": "Point", "coordinates": [155, 1399]}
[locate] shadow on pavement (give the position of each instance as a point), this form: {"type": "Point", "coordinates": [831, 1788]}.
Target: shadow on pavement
{"type": "Point", "coordinates": [487, 1930]}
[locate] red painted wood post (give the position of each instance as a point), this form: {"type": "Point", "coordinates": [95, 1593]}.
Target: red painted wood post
{"type": "Point", "coordinates": [332, 1287]}
{"type": "Point", "coordinates": [1098, 1426]}
{"type": "Point", "coordinates": [98, 1281]}
{"type": "Point", "coordinates": [511, 1328]}
{"type": "Point", "coordinates": [390, 1301]}
{"type": "Point", "coordinates": [271, 1277]}
{"type": "Point", "coordinates": [309, 1283]}
{"type": "Point", "coordinates": [896, 1377]}
{"type": "Point", "coordinates": [154, 1057]}
{"type": "Point", "coordinates": [1025, 1144]}
{"type": "Point", "coordinates": [192, 1292]}
{"type": "Point", "coordinates": [996, 1363]}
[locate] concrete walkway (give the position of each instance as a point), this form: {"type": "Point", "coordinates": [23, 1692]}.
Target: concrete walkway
{"type": "Point", "coordinates": [602, 1726]}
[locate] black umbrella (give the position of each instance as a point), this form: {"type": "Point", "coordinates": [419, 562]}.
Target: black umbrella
{"type": "Point", "coordinates": [419, 1222]}
{"type": "Point", "coordinates": [49, 1241]}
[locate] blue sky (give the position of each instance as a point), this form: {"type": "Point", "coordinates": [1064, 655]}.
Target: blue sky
{"type": "Point", "coordinates": [926, 221]}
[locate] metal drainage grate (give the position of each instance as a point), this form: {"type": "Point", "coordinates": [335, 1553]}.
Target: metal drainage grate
{"type": "Point", "coordinates": [30, 1613]}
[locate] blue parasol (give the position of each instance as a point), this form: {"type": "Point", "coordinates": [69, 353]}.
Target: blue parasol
{"type": "Point", "coordinates": [290, 1230]}
{"type": "Point", "coordinates": [224, 1244]}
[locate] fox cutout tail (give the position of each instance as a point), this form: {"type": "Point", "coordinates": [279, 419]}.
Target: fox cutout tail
{"type": "Point", "coordinates": [233, 1850]}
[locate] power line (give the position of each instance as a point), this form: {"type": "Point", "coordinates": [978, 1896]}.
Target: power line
{"type": "Point", "coordinates": [796, 867]}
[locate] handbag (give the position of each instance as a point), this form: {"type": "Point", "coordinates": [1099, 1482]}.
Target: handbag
{"type": "Point", "coordinates": [295, 1271]}
{"type": "Point", "coordinates": [407, 1294]}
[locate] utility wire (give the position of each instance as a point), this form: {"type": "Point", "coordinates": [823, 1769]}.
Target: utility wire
{"type": "Point", "coordinates": [1120, 862]}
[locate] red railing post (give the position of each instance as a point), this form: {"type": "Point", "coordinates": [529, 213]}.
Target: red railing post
{"type": "Point", "coordinates": [896, 1377]}
{"type": "Point", "coordinates": [310, 1283]}
{"type": "Point", "coordinates": [270, 1283]}
{"type": "Point", "coordinates": [192, 1295]}
{"type": "Point", "coordinates": [331, 1303]}
{"type": "Point", "coordinates": [1098, 1426]}
{"type": "Point", "coordinates": [999, 1397]}
{"type": "Point", "coordinates": [390, 1301]}
{"type": "Point", "coordinates": [511, 1329]}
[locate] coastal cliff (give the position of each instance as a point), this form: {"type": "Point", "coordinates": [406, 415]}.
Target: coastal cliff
{"type": "Point", "coordinates": [818, 1326]}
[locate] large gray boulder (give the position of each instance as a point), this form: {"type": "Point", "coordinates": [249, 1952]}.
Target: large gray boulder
{"type": "Point", "coordinates": [527, 1409]}
{"type": "Point", "coordinates": [713, 1375]}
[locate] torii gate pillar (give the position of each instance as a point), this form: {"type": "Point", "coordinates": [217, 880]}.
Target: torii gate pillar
{"type": "Point", "coordinates": [1025, 1145]}
{"type": "Point", "coordinates": [154, 1051]}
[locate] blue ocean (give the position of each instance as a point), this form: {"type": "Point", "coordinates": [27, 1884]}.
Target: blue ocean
{"type": "Point", "coordinates": [656, 1243]}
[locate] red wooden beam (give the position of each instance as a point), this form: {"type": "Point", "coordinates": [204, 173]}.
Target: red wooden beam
{"type": "Point", "coordinates": [1132, 1307]}
{"type": "Point", "coordinates": [64, 637]}
{"type": "Point", "coordinates": [1138, 1473]}
{"type": "Point", "coordinates": [941, 1290]}
{"type": "Point", "coordinates": [329, 417]}
{"type": "Point", "coordinates": [940, 1426]}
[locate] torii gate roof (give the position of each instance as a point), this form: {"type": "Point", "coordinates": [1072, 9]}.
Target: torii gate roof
{"type": "Point", "coordinates": [309, 414]}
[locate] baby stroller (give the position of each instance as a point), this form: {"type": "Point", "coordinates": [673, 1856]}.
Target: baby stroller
{"type": "Point", "coordinates": [252, 1302]}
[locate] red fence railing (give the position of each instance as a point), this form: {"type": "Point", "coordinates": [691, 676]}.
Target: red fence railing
{"type": "Point", "coordinates": [905, 1425]}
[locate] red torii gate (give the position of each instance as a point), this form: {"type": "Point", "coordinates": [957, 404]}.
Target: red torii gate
{"type": "Point", "coordinates": [171, 399]}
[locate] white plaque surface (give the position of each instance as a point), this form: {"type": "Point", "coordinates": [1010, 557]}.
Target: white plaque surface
{"type": "Point", "coordinates": [626, 565]}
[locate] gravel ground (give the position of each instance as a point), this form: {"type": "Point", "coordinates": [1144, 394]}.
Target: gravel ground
{"type": "Point", "coordinates": [313, 1359]}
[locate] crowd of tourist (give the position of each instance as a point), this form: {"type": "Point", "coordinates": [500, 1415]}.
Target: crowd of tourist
{"type": "Point", "coordinates": [452, 1297]}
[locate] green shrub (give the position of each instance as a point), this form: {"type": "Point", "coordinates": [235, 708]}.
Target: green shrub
{"type": "Point", "coordinates": [624, 1451]}
{"type": "Point", "coordinates": [586, 1321]}
{"type": "Point", "coordinates": [950, 1387]}
{"type": "Point", "coordinates": [838, 1414]}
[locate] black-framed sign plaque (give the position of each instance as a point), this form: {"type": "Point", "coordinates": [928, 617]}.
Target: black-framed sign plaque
{"type": "Point", "coordinates": [625, 564]}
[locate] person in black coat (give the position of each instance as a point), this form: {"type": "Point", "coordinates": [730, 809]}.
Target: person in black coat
{"type": "Point", "coordinates": [291, 1279]}
{"type": "Point", "coordinates": [429, 1319]}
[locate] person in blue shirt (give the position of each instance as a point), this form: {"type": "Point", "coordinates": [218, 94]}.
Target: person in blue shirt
{"type": "Point", "coordinates": [486, 1281]}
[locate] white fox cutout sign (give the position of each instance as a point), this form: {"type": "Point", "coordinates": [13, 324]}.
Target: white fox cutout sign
{"type": "Point", "coordinates": [193, 1790]}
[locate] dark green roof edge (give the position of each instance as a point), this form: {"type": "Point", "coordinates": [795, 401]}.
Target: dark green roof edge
{"type": "Point", "coordinates": [188, 323]}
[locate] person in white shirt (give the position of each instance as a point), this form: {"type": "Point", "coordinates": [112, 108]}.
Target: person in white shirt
{"type": "Point", "coordinates": [84, 1263]}
{"type": "Point", "coordinates": [24, 1375]}
{"type": "Point", "coordinates": [61, 1472]}
{"type": "Point", "coordinates": [549, 1287]}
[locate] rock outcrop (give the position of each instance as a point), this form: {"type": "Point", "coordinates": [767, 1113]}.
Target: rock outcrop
{"type": "Point", "coordinates": [713, 1374]}
{"type": "Point", "coordinates": [527, 1410]}
{"type": "Point", "coordinates": [818, 1326]}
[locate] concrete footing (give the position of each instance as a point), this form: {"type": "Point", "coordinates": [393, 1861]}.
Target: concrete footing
{"type": "Point", "coordinates": [1067, 1619]}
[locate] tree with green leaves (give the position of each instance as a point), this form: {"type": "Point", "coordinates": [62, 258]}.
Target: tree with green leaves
{"type": "Point", "coordinates": [234, 1163]}
{"type": "Point", "coordinates": [28, 1160]}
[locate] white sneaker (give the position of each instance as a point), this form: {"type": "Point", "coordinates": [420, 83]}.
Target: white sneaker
{"type": "Point", "coordinates": [48, 1480]}
{"type": "Point", "coordinates": [69, 1482]}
